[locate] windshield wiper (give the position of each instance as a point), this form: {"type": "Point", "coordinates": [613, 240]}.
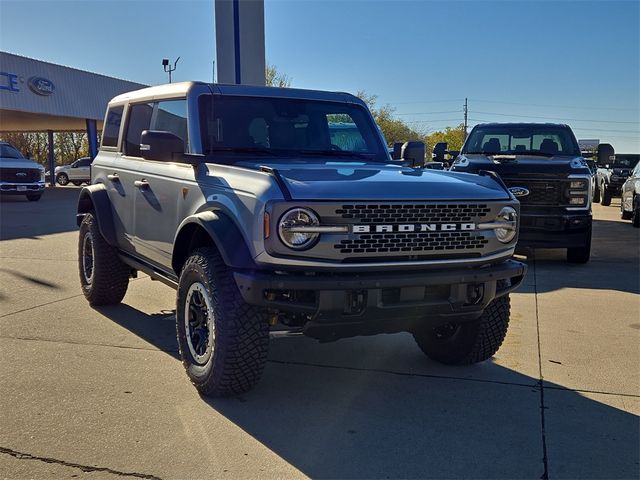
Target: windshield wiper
{"type": "Point", "coordinates": [258, 150]}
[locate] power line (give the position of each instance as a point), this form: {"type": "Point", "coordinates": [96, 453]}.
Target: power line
{"type": "Point", "coordinates": [430, 113]}
{"type": "Point", "coordinates": [637, 109]}
{"type": "Point", "coordinates": [428, 101]}
{"type": "Point", "coordinates": [555, 118]}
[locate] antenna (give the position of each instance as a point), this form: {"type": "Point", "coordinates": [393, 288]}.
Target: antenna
{"type": "Point", "coordinates": [167, 66]}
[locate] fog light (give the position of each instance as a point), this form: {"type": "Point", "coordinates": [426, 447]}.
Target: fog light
{"type": "Point", "coordinates": [577, 201]}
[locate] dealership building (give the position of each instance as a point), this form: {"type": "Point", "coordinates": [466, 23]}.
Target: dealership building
{"type": "Point", "coordinates": [37, 96]}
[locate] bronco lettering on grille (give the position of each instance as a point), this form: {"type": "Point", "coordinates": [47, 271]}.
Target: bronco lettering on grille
{"type": "Point", "coordinates": [421, 227]}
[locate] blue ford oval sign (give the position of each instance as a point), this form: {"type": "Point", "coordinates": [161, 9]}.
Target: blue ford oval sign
{"type": "Point", "coordinates": [519, 191]}
{"type": "Point", "coordinates": [41, 86]}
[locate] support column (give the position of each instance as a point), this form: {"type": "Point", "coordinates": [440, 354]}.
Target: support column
{"type": "Point", "coordinates": [92, 137]}
{"type": "Point", "coordinates": [52, 158]}
{"type": "Point", "coordinates": [240, 41]}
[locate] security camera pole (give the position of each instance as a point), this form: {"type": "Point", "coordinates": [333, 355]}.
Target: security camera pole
{"type": "Point", "coordinates": [167, 66]}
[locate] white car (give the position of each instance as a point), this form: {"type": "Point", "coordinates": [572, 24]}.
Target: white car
{"type": "Point", "coordinates": [77, 173]}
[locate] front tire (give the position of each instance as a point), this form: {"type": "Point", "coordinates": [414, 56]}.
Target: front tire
{"type": "Point", "coordinates": [62, 179]}
{"type": "Point", "coordinates": [223, 340]}
{"type": "Point", "coordinates": [596, 194]}
{"type": "Point", "coordinates": [103, 276]}
{"type": "Point", "coordinates": [580, 254]}
{"type": "Point", "coordinates": [635, 218]}
{"type": "Point", "coordinates": [467, 343]}
{"type": "Point", "coordinates": [606, 197]}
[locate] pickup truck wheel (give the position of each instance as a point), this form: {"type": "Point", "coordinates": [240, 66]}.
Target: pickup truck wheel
{"type": "Point", "coordinates": [62, 179]}
{"type": "Point", "coordinates": [223, 340]}
{"type": "Point", "coordinates": [467, 343]}
{"type": "Point", "coordinates": [103, 276]}
{"type": "Point", "coordinates": [606, 197]}
{"type": "Point", "coordinates": [580, 254]}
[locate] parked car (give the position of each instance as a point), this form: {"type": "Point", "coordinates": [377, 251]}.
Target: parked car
{"type": "Point", "coordinates": [612, 172]}
{"type": "Point", "coordinates": [20, 175]}
{"type": "Point", "coordinates": [268, 222]}
{"type": "Point", "coordinates": [630, 200]}
{"type": "Point", "coordinates": [542, 166]}
{"type": "Point", "coordinates": [78, 172]}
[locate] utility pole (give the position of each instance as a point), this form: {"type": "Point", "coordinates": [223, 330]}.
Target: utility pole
{"type": "Point", "coordinates": [466, 109]}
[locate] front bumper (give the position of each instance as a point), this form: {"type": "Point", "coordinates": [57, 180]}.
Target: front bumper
{"type": "Point", "coordinates": [566, 230]}
{"type": "Point", "coordinates": [343, 305]}
{"type": "Point", "coordinates": [10, 188]}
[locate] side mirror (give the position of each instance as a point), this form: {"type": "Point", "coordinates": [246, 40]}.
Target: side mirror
{"type": "Point", "coordinates": [397, 151]}
{"type": "Point", "coordinates": [439, 150]}
{"type": "Point", "coordinates": [606, 154]}
{"type": "Point", "coordinates": [413, 153]}
{"type": "Point", "coordinates": [161, 146]}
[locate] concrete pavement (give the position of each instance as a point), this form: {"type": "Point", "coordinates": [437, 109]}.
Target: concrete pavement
{"type": "Point", "coordinates": [101, 393]}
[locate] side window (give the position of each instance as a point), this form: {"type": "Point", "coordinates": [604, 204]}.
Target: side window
{"type": "Point", "coordinates": [139, 119]}
{"type": "Point", "coordinates": [171, 117]}
{"type": "Point", "coordinates": [84, 162]}
{"type": "Point", "coordinates": [112, 127]}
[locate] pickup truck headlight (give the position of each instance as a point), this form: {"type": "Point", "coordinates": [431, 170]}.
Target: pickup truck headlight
{"type": "Point", "coordinates": [292, 225]}
{"type": "Point", "coordinates": [42, 176]}
{"type": "Point", "coordinates": [509, 216]}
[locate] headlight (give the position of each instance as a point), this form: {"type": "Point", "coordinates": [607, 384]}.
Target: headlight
{"type": "Point", "coordinates": [509, 216]}
{"type": "Point", "coordinates": [578, 185]}
{"type": "Point", "coordinates": [42, 177]}
{"type": "Point", "coordinates": [292, 225]}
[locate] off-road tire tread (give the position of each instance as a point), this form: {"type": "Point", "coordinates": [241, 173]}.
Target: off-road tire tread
{"type": "Point", "coordinates": [110, 276]}
{"type": "Point", "coordinates": [242, 331]}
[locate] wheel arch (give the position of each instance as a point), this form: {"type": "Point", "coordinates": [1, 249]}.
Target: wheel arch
{"type": "Point", "coordinates": [95, 198]}
{"type": "Point", "coordinates": [211, 229]}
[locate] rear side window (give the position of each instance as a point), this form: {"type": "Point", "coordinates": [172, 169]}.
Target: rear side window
{"type": "Point", "coordinates": [139, 119]}
{"type": "Point", "coordinates": [112, 127]}
{"type": "Point", "coordinates": [171, 116]}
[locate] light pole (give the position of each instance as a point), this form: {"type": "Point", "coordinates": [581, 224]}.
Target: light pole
{"type": "Point", "coordinates": [167, 66]}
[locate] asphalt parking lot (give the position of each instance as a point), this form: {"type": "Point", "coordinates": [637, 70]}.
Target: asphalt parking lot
{"type": "Point", "coordinates": [90, 393]}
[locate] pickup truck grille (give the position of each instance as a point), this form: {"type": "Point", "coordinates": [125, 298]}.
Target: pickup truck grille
{"type": "Point", "coordinates": [540, 192]}
{"type": "Point", "coordinates": [413, 213]}
{"type": "Point", "coordinates": [19, 175]}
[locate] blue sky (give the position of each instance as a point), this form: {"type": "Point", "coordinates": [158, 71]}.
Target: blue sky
{"type": "Point", "coordinates": [571, 61]}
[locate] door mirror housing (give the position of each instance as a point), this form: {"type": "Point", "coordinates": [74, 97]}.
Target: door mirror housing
{"type": "Point", "coordinates": [413, 153]}
{"type": "Point", "coordinates": [606, 155]}
{"type": "Point", "coordinates": [439, 151]}
{"type": "Point", "coordinates": [161, 146]}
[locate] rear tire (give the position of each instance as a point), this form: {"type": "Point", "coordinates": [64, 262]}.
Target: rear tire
{"type": "Point", "coordinates": [62, 179]}
{"type": "Point", "coordinates": [467, 343]}
{"type": "Point", "coordinates": [223, 340]}
{"type": "Point", "coordinates": [33, 197]}
{"type": "Point", "coordinates": [606, 197]}
{"type": "Point", "coordinates": [103, 276]}
{"type": "Point", "coordinates": [580, 254]}
{"type": "Point", "coordinates": [635, 218]}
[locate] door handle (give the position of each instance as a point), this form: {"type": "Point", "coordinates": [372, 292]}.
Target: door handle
{"type": "Point", "coordinates": [141, 183]}
{"type": "Point", "coordinates": [113, 177]}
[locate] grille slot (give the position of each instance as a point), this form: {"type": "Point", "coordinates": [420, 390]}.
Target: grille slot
{"type": "Point", "coordinates": [540, 193]}
{"type": "Point", "coordinates": [413, 213]}
{"type": "Point", "coordinates": [12, 175]}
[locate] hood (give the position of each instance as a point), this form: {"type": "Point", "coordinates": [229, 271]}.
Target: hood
{"type": "Point", "coordinates": [523, 165]}
{"type": "Point", "coordinates": [19, 163]}
{"type": "Point", "coordinates": [360, 181]}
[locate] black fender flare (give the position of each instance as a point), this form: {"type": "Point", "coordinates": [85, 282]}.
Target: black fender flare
{"type": "Point", "coordinates": [224, 233]}
{"type": "Point", "coordinates": [95, 198]}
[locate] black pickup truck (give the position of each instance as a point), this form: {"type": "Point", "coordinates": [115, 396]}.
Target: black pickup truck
{"type": "Point", "coordinates": [542, 166]}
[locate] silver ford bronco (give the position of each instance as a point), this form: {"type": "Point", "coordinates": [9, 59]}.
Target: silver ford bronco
{"type": "Point", "coordinates": [277, 211]}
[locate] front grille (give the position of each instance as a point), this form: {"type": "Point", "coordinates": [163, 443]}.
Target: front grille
{"type": "Point", "coordinates": [540, 192]}
{"type": "Point", "coordinates": [413, 213]}
{"type": "Point", "coordinates": [412, 242]}
{"type": "Point", "coordinates": [19, 175]}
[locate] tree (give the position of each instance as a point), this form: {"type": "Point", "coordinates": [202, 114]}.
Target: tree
{"type": "Point", "coordinates": [274, 78]}
{"type": "Point", "coordinates": [454, 136]}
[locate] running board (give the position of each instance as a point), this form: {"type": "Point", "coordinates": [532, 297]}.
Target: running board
{"type": "Point", "coordinates": [154, 273]}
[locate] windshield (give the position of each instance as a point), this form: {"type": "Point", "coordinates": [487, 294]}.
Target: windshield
{"type": "Point", "coordinates": [7, 151]}
{"type": "Point", "coordinates": [507, 139]}
{"type": "Point", "coordinates": [625, 161]}
{"type": "Point", "coordinates": [287, 127]}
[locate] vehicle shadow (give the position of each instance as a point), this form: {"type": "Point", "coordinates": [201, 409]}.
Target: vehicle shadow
{"type": "Point", "coordinates": [614, 263]}
{"type": "Point", "coordinates": [338, 421]}
{"type": "Point", "coordinates": [53, 213]}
